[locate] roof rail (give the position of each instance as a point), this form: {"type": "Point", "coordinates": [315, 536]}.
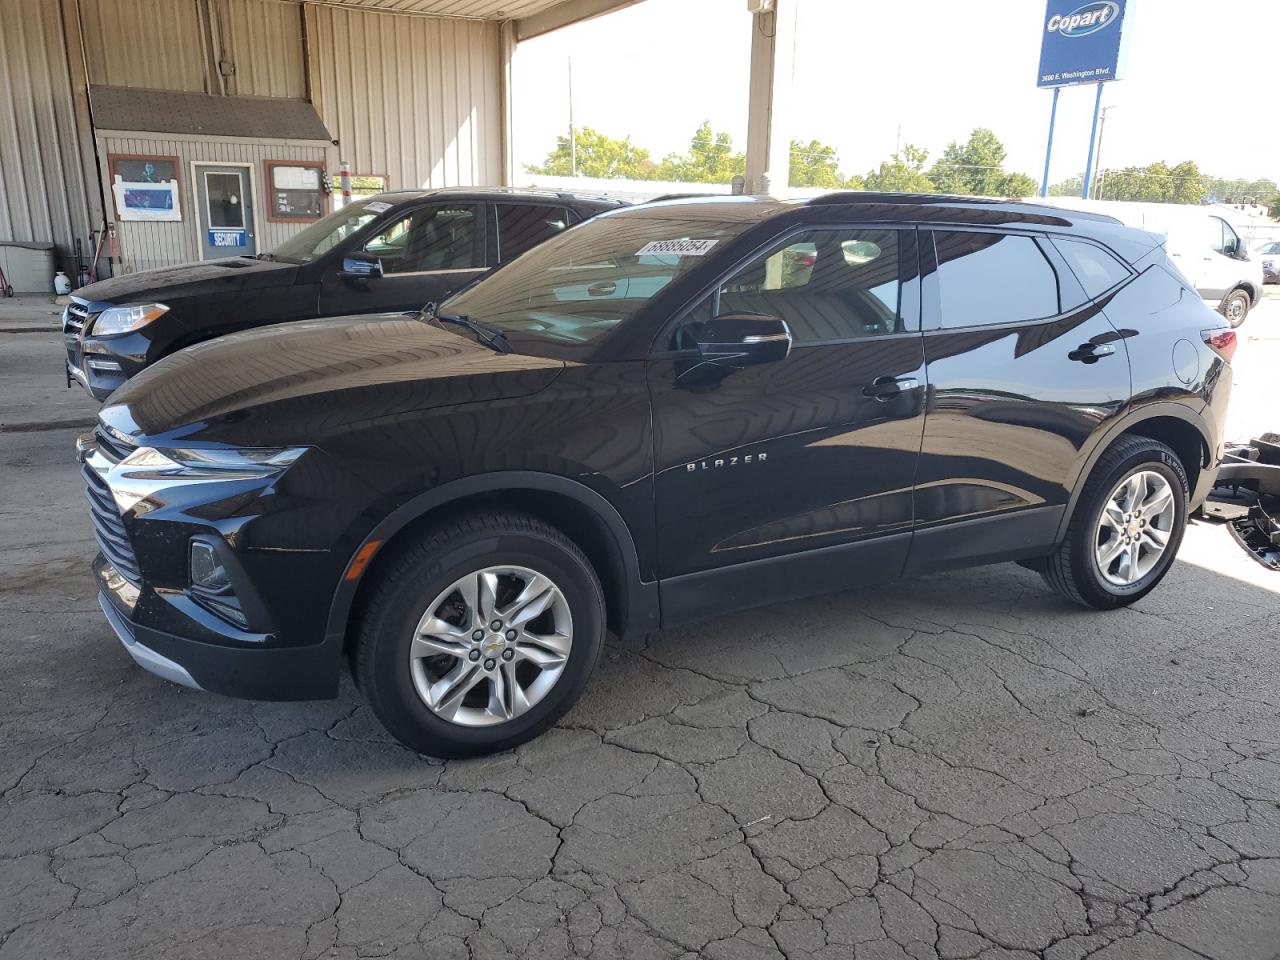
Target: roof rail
{"type": "Point", "coordinates": [869, 196]}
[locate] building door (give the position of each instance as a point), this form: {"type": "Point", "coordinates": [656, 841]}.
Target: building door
{"type": "Point", "coordinates": [224, 204]}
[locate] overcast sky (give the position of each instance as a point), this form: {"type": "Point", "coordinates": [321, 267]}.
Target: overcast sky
{"type": "Point", "coordinates": [1199, 76]}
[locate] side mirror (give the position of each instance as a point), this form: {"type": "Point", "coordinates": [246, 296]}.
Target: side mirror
{"type": "Point", "coordinates": [743, 340]}
{"type": "Point", "coordinates": [360, 266]}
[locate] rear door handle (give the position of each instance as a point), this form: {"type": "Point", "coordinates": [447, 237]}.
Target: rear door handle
{"type": "Point", "coordinates": [886, 388]}
{"type": "Point", "coordinates": [1091, 352]}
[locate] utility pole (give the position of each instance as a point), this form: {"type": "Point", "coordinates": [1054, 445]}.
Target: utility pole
{"type": "Point", "coordinates": [1102, 130]}
{"type": "Point", "coordinates": [573, 134]}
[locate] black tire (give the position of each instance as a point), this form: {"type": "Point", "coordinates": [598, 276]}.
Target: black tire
{"type": "Point", "coordinates": [408, 581]}
{"type": "Point", "coordinates": [1072, 569]}
{"type": "Point", "coordinates": [1235, 307]}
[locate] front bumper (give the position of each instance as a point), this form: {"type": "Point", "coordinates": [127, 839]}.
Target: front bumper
{"type": "Point", "coordinates": [100, 365]}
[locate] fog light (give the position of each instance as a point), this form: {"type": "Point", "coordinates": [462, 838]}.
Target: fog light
{"type": "Point", "coordinates": [207, 572]}
{"type": "Point", "coordinates": [110, 366]}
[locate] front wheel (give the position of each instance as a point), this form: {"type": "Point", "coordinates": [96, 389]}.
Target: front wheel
{"type": "Point", "coordinates": [1126, 529]}
{"type": "Point", "coordinates": [480, 635]}
{"type": "Point", "coordinates": [1235, 307]}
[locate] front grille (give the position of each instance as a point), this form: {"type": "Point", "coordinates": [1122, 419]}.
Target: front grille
{"type": "Point", "coordinates": [74, 317]}
{"type": "Point", "coordinates": [108, 528]}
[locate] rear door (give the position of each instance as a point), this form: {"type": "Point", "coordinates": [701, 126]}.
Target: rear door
{"type": "Point", "coordinates": [425, 254]}
{"type": "Point", "coordinates": [1023, 370]}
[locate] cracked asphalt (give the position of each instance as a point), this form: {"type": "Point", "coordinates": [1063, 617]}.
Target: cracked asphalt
{"type": "Point", "coordinates": [958, 767]}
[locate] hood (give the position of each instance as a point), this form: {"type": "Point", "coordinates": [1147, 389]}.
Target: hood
{"type": "Point", "coordinates": [189, 280]}
{"type": "Point", "coordinates": [303, 382]}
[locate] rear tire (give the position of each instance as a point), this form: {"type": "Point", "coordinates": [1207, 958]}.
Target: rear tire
{"type": "Point", "coordinates": [436, 671]}
{"type": "Point", "coordinates": [1095, 565]}
{"type": "Point", "coordinates": [1235, 307]}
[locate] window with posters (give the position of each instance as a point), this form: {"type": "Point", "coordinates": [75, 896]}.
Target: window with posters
{"type": "Point", "coordinates": [296, 191]}
{"type": "Point", "coordinates": [145, 187]}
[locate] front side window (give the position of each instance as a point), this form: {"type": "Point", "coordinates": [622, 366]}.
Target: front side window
{"type": "Point", "coordinates": [989, 278]}
{"type": "Point", "coordinates": [326, 233]}
{"type": "Point", "coordinates": [522, 226]}
{"type": "Point", "coordinates": [428, 239]}
{"type": "Point", "coordinates": [825, 284]}
{"type": "Point", "coordinates": [1096, 269]}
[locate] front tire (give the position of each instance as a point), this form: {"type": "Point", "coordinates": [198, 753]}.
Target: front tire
{"type": "Point", "coordinates": [1126, 529]}
{"type": "Point", "coordinates": [480, 635]}
{"type": "Point", "coordinates": [1235, 307]}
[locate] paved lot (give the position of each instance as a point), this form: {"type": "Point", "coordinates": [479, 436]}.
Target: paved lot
{"type": "Point", "coordinates": [963, 766]}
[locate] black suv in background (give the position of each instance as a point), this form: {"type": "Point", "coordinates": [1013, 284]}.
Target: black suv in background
{"type": "Point", "coordinates": [394, 251]}
{"type": "Point", "coordinates": [668, 413]}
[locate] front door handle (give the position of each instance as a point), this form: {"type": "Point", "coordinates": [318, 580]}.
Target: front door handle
{"type": "Point", "coordinates": [1091, 352]}
{"type": "Point", "coordinates": [886, 388]}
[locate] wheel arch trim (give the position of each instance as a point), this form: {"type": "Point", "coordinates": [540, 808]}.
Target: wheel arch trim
{"type": "Point", "coordinates": [1122, 425]}
{"type": "Point", "coordinates": [642, 596]}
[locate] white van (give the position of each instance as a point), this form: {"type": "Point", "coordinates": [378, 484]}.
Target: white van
{"type": "Point", "coordinates": [1201, 241]}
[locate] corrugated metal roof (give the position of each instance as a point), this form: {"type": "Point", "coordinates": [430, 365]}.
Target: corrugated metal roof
{"type": "Point", "coordinates": [164, 111]}
{"type": "Point", "coordinates": [467, 9]}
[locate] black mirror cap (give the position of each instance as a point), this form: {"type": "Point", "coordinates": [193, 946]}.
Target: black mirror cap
{"type": "Point", "coordinates": [360, 266]}
{"type": "Point", "coordinates": [745, 339]}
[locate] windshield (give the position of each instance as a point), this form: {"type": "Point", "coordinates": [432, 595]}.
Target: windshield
{"type": "Point", "coordinates": [577, 287]}
{"type": "Point", "coordinates": [326, 233]}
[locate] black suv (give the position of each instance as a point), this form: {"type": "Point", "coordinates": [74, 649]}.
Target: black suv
{"type": "Point", "coordinates": [395, 251]}
{"type": "Point", "coordinates": [666, 413]}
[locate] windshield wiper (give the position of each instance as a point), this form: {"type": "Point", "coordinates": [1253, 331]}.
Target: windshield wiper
{"type": "Point", "coordinates": [495, 339]}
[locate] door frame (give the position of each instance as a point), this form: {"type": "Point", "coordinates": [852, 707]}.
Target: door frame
{"type": "Point", "coordinates": [195, 197]}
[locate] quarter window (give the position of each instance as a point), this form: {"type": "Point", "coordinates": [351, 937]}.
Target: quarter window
{"type": "Point", "coordinates": [522, 226]}
{"type": "Point", "coordinates": [1096, 269]}
{"type": "Point", "coordinates": [429, 238]}
{"type": "Point", "coordinates": [989, 278]}
{"type": "Point", "coordinates": [826, 285]}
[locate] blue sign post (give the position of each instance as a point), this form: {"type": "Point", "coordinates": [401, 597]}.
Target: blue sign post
{"type": "Point", "coordinates": [1081, 43]}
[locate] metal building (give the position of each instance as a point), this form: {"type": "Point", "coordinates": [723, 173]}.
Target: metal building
{"type": "Point", "coordinates": [161, 131]}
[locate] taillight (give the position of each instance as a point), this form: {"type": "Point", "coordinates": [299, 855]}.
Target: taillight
{"type": "Point", "coordinates": [1222, 342]}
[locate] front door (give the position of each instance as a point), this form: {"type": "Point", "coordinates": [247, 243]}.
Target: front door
{"type": "Point", "coordinates": [224, 204]}
{"type": "Point", "coordinates": [794, 477]}
{"type": "Point", "coordinates": [1024, 371]}
{"type": "Point", "coordinates": [424, 255]}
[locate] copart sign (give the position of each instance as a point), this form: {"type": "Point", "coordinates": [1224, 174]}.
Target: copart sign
{"type": "Point", "coordinates": [1082, 42]}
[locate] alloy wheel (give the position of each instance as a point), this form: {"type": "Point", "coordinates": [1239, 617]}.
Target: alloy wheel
{"type": "Point", "coordinates": [491, 646]}
{"type": "Point", "coordinates": [1134, 528]}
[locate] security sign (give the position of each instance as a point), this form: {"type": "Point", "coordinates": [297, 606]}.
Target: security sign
{"type": "Point", "coordinates": [227, 237]}
{"type": "Point", "coordinates": [1081, 42]}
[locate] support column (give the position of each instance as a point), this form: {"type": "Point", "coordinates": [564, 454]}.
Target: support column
{"type": "Point", "coordinates": [768, 134]}
{"type": "Point", "coordinates": [506, 50]}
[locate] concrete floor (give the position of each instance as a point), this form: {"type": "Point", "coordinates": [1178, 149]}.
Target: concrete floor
{"type": "Point", "coordinates": [963, 766]}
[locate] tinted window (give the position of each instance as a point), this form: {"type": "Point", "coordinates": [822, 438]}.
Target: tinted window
{"type": "Point", "coordinates": [325, 234]}
{"type": "Point", "coordinates": [522, 226]}
{"type": "Point", "coordinates": [987, 278]}
{"type": "Point", "coordinates": [429, 238]}
{"type": "Point", "coordinates": [826, 285]}
{"type": "Point", "coordinates": [1096, 269]}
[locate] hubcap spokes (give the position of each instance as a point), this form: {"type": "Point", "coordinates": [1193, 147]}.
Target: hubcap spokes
{"type": "Point", "coordinates": [491, 646]}
{"type": "Point", "coordinates": [1135, 527]}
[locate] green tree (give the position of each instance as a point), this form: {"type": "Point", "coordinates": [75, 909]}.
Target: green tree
{"type": "Point", "coordinates": [976, 167]}
{"type": "Point", "coordinates": [710, 159]}
{"type": "Point", "coordinates": [598, 155]}
{"type": "Point", "coordinates": [814, 164]}
{"type": "Point", "coordinates": [1155, 183]}
{"type": "Point", "coordinates": [902, 173]}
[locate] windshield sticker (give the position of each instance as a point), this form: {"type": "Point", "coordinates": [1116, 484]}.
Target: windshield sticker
{"type": "Point", "coordinates": [681, 248]}
{"type": "Point", "coordinates": [377, 206]}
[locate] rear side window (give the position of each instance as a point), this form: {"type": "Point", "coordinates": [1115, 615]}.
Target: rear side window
{"type": "Point", "coordinates": [1096, 269]}
{"type": "Point", "coordinates": [522, 226]}
{"type": "Point", "coordinates": [988, 278]}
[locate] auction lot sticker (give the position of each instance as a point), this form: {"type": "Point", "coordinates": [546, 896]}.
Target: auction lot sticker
{"type": "Point", "coordinates": [681, 248]}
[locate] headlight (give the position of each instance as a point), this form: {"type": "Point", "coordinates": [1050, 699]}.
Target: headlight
{"type": "Point", "coordinates": [117, 320]}
{"type": "Point", "coordinates": [149, 470]}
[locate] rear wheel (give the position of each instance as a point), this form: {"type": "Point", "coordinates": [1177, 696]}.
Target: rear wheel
{"type": "Point", "coordinates": [1235, 307]}
{"type": "Point", "coordinates": [480, 636]}
{"type": "Point", "coordinates": [1126, 529]}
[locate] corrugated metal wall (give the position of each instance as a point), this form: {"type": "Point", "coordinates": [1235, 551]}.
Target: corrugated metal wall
{"type": "Point", "coordinates": [145, 245]}
{"type": "Point", "coordinates": [43, 162]}
{"type": "Point", "coordinates": [144, 43]}
{"type": "Point", "coordinates": [263, 38]}
{"type": "Point", "coordinates": [413, 98]}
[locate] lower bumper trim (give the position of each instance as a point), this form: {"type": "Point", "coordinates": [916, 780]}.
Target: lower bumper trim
{"type": "Point", "coordinates": [144, 656]}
